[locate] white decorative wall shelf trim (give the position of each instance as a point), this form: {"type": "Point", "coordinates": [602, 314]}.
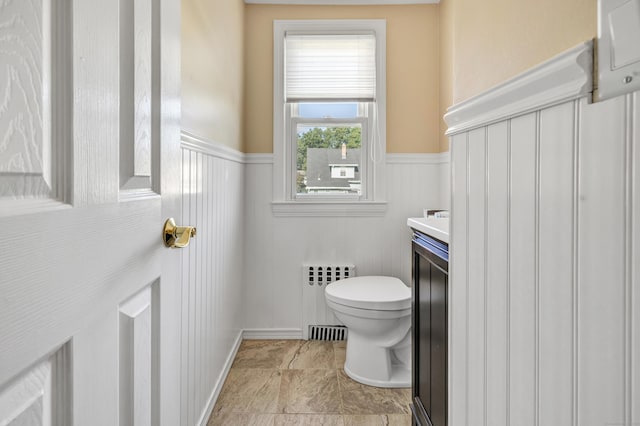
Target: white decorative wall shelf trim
{"type": "Point", "coordinates": [341, 2]}
{"type": "Point", "coordinates": [436, 158]}
{"type": "Point", "coordinates": [565, 77]}
{"type": "Point", "coordinates": [199, 144]}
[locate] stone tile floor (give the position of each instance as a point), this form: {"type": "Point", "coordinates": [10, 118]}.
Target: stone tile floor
{"type": "Point", "coordinates": [299, 382]}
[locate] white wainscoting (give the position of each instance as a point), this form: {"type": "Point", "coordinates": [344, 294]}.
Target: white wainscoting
{"type": "Point", "coordinates": [277, 247]}
{"type": "Point", "coordinates": [243, 269]}
{"type": "Point", "coordinates": [213, 186]}
{"type": "Point", "coordinates": [544, 300]}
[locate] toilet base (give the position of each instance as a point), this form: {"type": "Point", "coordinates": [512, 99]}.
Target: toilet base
{"type": "Point", "coordinates": [400, 378]}
{"type": "Point", "coordinates": [379, 366]}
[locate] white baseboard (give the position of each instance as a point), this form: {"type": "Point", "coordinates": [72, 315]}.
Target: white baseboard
{"type": "Point", "coordinates": [249, 334]}
{"type": "Point", "coordinates": [272, 333]}
{"type": "Point", "coordinates": [220, 382]}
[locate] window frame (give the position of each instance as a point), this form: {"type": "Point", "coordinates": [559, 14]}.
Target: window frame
{"type": "Point", "coordinates": [285, 201]}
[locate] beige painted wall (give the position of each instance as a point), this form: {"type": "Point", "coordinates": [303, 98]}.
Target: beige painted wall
{"type": "Point", "coordinates": [412, 71]}
{"type": "Point", "coordinates": [446, 67]}
{"type": "Point", "coordinates": [212, 70]}
{"type": "Point", "coordinates": [487, 42]}
{"type": "Point", "coordinates": [437, 55]}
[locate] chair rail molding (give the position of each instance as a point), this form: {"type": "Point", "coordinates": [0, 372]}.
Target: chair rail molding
{"type": "Point", "coordinates": [565, 77]}
{"type": "Point", "coordinates": [205, 146]}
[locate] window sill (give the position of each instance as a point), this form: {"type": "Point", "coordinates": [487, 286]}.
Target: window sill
{"type": "Point", "coordinates": [328, 209]}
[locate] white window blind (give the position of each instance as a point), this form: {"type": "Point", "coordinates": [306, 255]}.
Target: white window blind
{"type": "Point", "coordinates": [330, 67]}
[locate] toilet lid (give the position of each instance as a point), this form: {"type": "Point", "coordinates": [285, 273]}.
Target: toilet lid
{"type": "Point", "coordinates": [375, 293]}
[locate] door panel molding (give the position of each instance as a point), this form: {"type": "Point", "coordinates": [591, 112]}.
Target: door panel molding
{"type": "Point", "coordinates": [35, 118]}
{"type": "Point", "coordinates": [41, 395]}
{"type": "Point", "coordinates": [139, 94]}
{"type": "Point", "coordinates": [139, 358]}
{"type": "Point", "coordinates": [50, 296]}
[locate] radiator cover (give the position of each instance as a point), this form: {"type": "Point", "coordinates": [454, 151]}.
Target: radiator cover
{"type": "Point", "coordinates": [315, 312]}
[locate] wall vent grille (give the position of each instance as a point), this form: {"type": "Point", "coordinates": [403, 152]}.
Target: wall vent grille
{"type": "Point", "coordinates": [326, 274]}
{"type": "Point", "coordinates": [315, 312]}
{"type": "Point", "coordinates": [327, 332]}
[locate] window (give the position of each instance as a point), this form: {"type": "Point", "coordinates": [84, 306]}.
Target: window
{"type": "Point", "coordinates": [328, 148]}
{"type": "Point", "coordinates": [329, 116]}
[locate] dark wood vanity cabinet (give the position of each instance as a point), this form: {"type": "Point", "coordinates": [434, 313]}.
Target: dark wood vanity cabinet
{"type": "Point", "coordinates": [429, 330]}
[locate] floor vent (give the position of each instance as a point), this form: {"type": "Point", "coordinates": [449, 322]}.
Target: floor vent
{"type": "Point", "coordinates": [327, 332]}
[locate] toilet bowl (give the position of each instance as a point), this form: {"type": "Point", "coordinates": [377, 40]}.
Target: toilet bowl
{"type": "Point", "coordinates": [377, 313]}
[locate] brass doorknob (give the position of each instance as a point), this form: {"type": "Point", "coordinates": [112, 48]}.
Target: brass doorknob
{"type": "Point", "coordinates": [177, 236]}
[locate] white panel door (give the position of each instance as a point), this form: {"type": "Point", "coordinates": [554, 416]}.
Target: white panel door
{"type": "Point", "coordinates": [89, 170]}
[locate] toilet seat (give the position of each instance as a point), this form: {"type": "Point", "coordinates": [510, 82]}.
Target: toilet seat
{"type": "Point", "coordinates": [369, 313]}
{"type": "Point", "coordinates": [370, 292]}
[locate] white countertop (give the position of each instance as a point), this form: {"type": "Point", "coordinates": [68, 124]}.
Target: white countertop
{"type": "Point", "coordinates": [434, 227]}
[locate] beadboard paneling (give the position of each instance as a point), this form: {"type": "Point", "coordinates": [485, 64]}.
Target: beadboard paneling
{"type": "Point", "coordinates": [476, 258]}
{"type": "Point", "coordinates": [555, 272]}
{"type": "Point", "coordinates": [277, 247]}
{"type": "Point", "coordinates": [211, 276]}
{"type": "Point", "coordinates": [633, 296]}
{"type": "Point", "coordinates": [544, 267]}
{"type": "Point", "coordinates": [459, 294]}
{"type": "Point", "coordinates": [522, 279]}
{"type": "Point", "coordinates": [497, 251]}
{"type": "Point", "coordinates": [601, 264]}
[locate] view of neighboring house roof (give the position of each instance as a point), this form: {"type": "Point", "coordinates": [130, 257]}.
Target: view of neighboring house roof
{"type": "Point", "coordinates": [320, 162]}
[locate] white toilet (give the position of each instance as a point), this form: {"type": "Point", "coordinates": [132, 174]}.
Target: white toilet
{"type": "Point", "coordinates": [377, 312]}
